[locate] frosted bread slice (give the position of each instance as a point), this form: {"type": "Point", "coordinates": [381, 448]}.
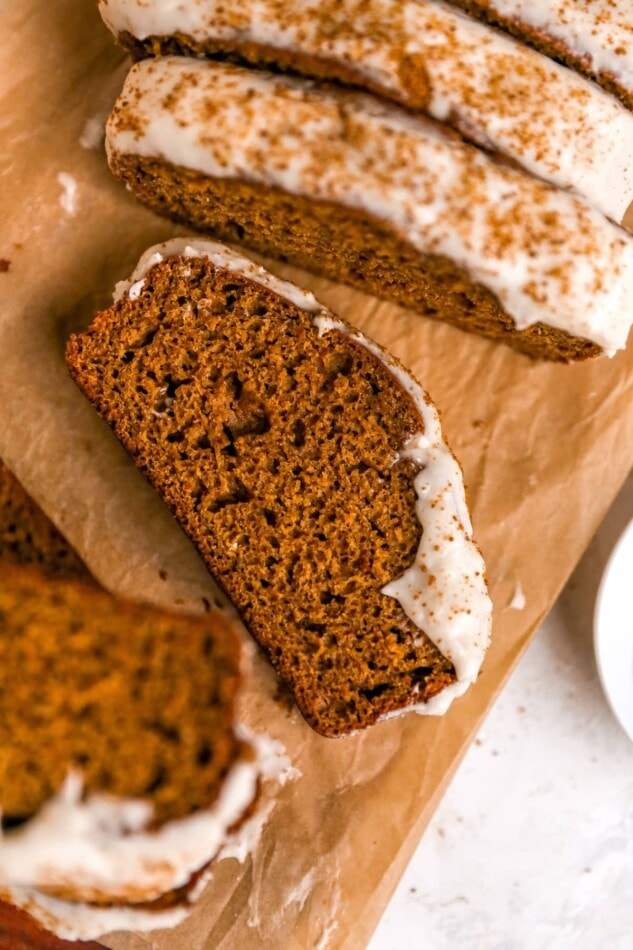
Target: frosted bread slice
{"type": "Point", "coordinates": [339, 182]}
{"type": "Point", "coordinates": [499, 93]}
{"type": "Point", "coordinates": [121, 769]}
{"type": "Point", "coordinates": [310, 471]}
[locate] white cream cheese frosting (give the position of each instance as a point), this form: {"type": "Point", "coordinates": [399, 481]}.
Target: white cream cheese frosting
{"type": "Point", "coordinates": [503, 95]}
{"type": "Point", "coordinates": [102, 845]}
{"type": "Point", "coordinates": [75, 920]}
{"type": "Point", "coordinates": [444, 591]}
{"type": "Point", "coordinates": [220, 256]}
{"type": "Point", "coordinates": [597, 33]}
{"type": "Point", "coordinates": [545, 254]}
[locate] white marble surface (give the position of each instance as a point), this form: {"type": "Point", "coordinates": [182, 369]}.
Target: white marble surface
{"type": "Point", "coordinates": [532, 846]}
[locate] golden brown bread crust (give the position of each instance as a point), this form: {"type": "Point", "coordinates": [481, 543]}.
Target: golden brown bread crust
{"type": "Point", "coordinates": [344, 244]}
{"type": "Point", "coordinates": [27, 536]}
{"type": "Point", "coordinates": [140, 701]}
{"type": "Point", "coordinates": [277, 451]}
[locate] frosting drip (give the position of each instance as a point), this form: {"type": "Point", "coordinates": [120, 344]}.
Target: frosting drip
{"type": "Point", "coordinates": [75, 920]}
{"type": "Point", "coordinates": [544, 253]}
{"type": "Point", "coordinates": [486, 84]}
{"type": "Point", "coordinates": [444, 591]}
{"type": "Point", "coordinates": [102, 844]}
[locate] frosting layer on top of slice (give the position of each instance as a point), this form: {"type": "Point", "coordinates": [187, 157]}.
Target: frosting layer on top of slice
{"type": "Point", "coordinates": [83, 836]}
{"type": "Point", "coordinates": [596, 34]}
{"type": "Point", "coordinates": [499, 93]}
{"type": "Point", "coordinates": [547, 255]}
{"type": "Point", "coordinates": [102, 845]}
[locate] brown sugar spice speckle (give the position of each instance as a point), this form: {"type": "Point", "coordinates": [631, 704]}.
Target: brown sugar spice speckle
{"type": "Point", "coordinates": [553, 39]}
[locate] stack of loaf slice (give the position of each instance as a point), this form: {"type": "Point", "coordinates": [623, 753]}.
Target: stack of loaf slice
{"type": "Point", "coordinates": [310, 470]}
{"type": "Point", "coordinates": [481, 182]}
{"type": "Point", "coordinates": [123, 773]}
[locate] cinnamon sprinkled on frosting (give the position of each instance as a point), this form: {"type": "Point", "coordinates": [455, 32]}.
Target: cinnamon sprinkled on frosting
{"type": "Point", "coordinates": [595, 36]}
{"type": "Point", "coordinates": [546, 254]}
{"type": "Point", "coordinates": [497, 92]}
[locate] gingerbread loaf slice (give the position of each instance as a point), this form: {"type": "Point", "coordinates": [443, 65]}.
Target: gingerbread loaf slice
{"type": "Point", "coordinates": [340, 183]}
{"type": "Point", "coordinates": [431, 59]}
{"type": "Point", "coordinates": [309, 470]}
{"type": "Point", "coordinates": [121, 769]}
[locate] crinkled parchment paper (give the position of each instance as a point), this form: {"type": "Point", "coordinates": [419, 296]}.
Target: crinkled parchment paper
{"type": "Point", "coordinates": [544, 450]}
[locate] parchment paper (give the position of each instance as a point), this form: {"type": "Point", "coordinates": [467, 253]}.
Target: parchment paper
{"type": "Point", "coordinates": [544, 450]}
